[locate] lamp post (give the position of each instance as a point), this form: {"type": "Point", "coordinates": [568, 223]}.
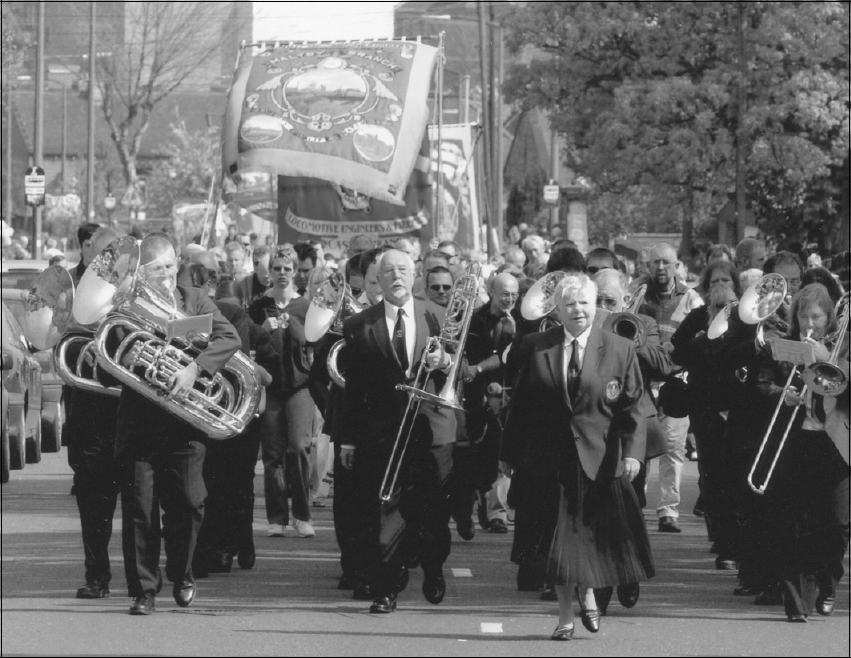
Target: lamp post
{"type": "Point", "coordinates": [109, 203]}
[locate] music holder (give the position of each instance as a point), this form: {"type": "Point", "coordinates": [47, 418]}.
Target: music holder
{"type": "Point", "coordinates": [793, 351]}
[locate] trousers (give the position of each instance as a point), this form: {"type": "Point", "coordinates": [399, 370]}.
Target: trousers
{"type": "Point", "coordinates": [671, 464]}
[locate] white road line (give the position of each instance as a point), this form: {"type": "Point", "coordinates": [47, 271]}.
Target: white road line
{"type": "Point", "coordinates": [462, 573]}
{"type": "Point", "coordinates": [491, 628]}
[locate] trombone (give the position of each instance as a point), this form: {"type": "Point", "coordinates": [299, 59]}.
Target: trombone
{"type": "Point", "coordinates": [826, 378]}
{"type": "Point", "coordinates": [453, 334]}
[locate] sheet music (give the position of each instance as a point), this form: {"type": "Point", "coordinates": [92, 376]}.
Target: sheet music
{"type": "Point", "coordinates": [792, 351]}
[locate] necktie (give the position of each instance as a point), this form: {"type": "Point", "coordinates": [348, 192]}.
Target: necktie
{"type": "Point", "coordinates": [818, 408]}
{"type": "Point", "coordinates": [573, 370]}
{"type": "Point", "coordinates": [400, 344]}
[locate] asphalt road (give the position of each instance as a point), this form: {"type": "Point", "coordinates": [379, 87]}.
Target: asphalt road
{"type": "Point", "coordinates": [288, 604]}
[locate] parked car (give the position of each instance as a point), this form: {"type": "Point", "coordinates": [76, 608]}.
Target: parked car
{"type": "Point", "coordinates": [17, 277]}
{"type": "Point", "coordinates": [21, 398]}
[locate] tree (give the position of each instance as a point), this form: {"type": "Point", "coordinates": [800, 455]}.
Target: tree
{"type": "Point", "coordinates": [646, 94]}
{"type": "Point", "coordinates": [167, 43]}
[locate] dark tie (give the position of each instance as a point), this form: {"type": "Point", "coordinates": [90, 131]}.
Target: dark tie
{"type": "Point", "coordinates": [573, 370]}
{"type": "Point", "coordinates": [818, 408]}
{"type": "Point", "coordinates": [400, 344]}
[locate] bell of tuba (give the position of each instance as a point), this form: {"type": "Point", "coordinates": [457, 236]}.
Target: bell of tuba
{"type": "Point", "coordinates": [539, 302]}
{"type": "Point", "coordinates": [761, 303]}
{"type": "Point", "coordinates": [827, 378]}
{"type": "Point", "coordinates": [627, 323]}
{"type": "Point", "coordinates": [133, 345]}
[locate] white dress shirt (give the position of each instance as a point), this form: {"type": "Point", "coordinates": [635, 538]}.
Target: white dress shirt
{"type": "Point", "coordinates": [582, 342]}
{"type": "Point", "coordinates": [390, 316]}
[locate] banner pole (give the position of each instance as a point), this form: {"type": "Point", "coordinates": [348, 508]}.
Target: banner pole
{"type": "Point", "coordinates": [439, 103]}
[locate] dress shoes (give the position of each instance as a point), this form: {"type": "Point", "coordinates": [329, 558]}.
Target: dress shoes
{"type": "Point", "coordinates": [498, 527]}
{"type": "Point", "coordinates": [402, 580]}
{"type": "Point", "coordinates": [363, 592]}
{"type": "Point", "coordinates": [825, 605]}
{"type": "Point", "coordinates": [669, 524]}
{"type": "Point", "coordinates": [184, 593]}
{"type": "Point", "coordinates": [549, 593]}
{"type": "Point", "coordinates": [628, 594]}
{"type": "Point", "coordinates": [246, 557]}
{"type": "Point", "coordinates": [434, 587]}
{"type": "Point", "coordinates": [383, 605]}
{"type": "Point", "coordinates": [563, 633]}
{"type": "Point", "coordinates": [746, 590]}
{"type": "Point", "coordinates": [465, 528]}
{"type": "Point", "coordinates": [93, 590]}
{"type": "Point", "coordinates": [143, 605]}
{"type": "Point", "coordinates": [591, 620]}
{"type": "Point", "coordinates": [797, 619]}
{"type": "Point", "coordinates": [603, 596]}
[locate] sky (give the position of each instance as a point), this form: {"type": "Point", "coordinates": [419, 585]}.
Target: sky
{"type": "Point", "coordinates": [323, 21]}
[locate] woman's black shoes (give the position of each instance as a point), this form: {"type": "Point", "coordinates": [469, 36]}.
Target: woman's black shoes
{"type": "Point", "coordinates": [591, 620]}
{"type": "Point", "coordinates": [562, 633]}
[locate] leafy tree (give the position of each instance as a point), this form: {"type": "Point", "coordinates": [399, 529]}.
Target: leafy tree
{"type": "Point", "coordinates": [646, 94]}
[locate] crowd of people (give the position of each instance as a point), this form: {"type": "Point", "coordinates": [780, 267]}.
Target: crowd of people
{"type": "Point", "coordinates": [557, 420]}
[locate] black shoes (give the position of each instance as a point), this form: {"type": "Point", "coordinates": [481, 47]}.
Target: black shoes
{"type": "Point", "coordinates": [184, 593]}
{"type": "Point", "coordinates": [603, 596]}
{"type": "Point", "coordinates": [434, 587]}
{"type": "Point", "coordinates": [246, 557]}
{"type": "Point", "coordinates": [591, 620]}
{"type": "Point", "coordinates": [797, 619]}
{"type": "Point", "coordinates": [383, 605]}
{"type": "Point", "coordinates": [465, 528]}
{"type": "Point", "coordinates": [562, 633]}
{"type": "Point", "coordinates": [363, 593]}
{"type": "Point", "coordinates": [93, 590]}
{"type": "Point", "coordinates": [746, 590]}
{"type": "Point", "coordinates": [825, 605]}
{"type": "Point", "coordinates": [769, 597]}
{"type": "Point", "coordinates": [143, 605]}
{"type": "Point", "coordinates": [628, 594]}
{"type": "Point", "coordinates": [498, 527]}
{"type": "Point", "coordinates": [669, 524]}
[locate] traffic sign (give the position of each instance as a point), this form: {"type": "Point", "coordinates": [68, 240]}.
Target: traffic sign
{"type": "Point", "coordinates": [34, 186]}
{"type": "Point", "coordinates": [551, 194]}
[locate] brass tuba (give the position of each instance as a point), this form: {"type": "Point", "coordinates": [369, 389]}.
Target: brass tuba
{"type": "Point", "coordinates": [761, 302]}
{"type": "Point", "coordinates": [826, 378]}
{"type": "Point", "coordinates": [133, 345]}
{"type": "Point", "coordinates": [539, 301]}
{"type": "Point", "coordinates": [627, 324]}
{"type": "Point", "coordinates": [453, 335]}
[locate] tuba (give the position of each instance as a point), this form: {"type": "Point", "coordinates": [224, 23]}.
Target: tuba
{"type": "Point", "coordinates": [627, 323]}
{"type": "Point", "coordinates": [760, 305]}
{"type": "Point", "coordinates": [332, 305]}
{"type": "Point", "coordinates": [133, 345]}
{"type": "Point", "coordinates": [453, 334]}
{"type": "Point", "coordinates": [826, 378]}
{"type": "Point", "coordinates": [539, 301]}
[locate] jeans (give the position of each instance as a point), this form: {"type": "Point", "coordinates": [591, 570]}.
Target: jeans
{"type": "Point", "coordinates": [671, 464]}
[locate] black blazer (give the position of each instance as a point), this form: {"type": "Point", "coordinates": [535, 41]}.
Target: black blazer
{"type": "Point", "coordinates": [605, 420]}
{"type": "Point", "coordinates": [372, 407]}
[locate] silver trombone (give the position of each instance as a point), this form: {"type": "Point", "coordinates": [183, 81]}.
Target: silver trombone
{"type": "Point", "coordinates": [760, 488]}
{"type": "Point", "coordinates": [453, 334]}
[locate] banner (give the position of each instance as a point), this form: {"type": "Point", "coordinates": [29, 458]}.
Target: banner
{"type": "Point", "coordinates": [459, 208]}
{"type": "Point", "coordinates": [308, 207]}
{"type": "Point", "coordinates": [352, 114]}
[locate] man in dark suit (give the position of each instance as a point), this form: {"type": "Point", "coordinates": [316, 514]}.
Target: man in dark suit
{"type": "Point", "coordinates": [87, 251]}
{"type": "Point", "coordinates": [578, 394]}
{"type": "Point", "coordinates": [157, 451]}
{"type": "Point", "coordinates": [385, 346]}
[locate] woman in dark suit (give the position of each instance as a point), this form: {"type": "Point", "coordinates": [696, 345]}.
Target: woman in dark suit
{"type": "Point", "coordinates": [809, 490]}
{"type": "Point", "coordinates": [578, 398]}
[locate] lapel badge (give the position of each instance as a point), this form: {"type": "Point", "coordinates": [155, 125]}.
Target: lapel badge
{"type": "Point", "coordinates": [613, 390]}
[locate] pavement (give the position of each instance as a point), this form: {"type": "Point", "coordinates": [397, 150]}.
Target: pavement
{"type": "Point", "coordinates": [289, 605]}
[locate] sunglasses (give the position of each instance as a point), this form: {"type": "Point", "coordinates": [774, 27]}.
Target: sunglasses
{"type": "Point", "coordinates": [438, 288]}
{"type": "Point", "coordinates": [277, 268]}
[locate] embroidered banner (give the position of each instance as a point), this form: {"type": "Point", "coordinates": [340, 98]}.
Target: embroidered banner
{"type": "Point", "coordinates": [459, 209]}
{"type": "Point", "coordinates": [352, 114]}
{"type": "Point", "coordinates": [309, 207]}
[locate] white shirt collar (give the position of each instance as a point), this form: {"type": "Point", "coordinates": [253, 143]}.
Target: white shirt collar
{"type": "Point", "coordinates": [582, 338]}
{"type": "Point", "coordinates": [391, 311]}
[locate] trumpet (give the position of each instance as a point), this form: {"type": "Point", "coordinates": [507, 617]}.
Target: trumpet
{"type": "Point", "coordinates": [760, 488]}
{"type": "Point", "coordinates": [827, 378]}
{"type": "Point", "coordinates": [453, 334]}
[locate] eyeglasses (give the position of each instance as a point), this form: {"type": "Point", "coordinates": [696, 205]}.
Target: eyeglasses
{"type": "Point", "coordinates": [593, 269]}
{"type": "Point", "coordinates": [438, 288]}
{"type": "Point", "coordinates": [278, 268]}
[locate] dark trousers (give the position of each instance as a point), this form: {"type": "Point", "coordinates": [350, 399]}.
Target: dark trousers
{"type": "Point", "coordinates": [92, 458]}
{"type": "Point", "coordinates": [169, 470]}
{"type": "Point", "coordinates": [475, 463]}
{"type": "Point", "coordinates": [286, 432]}
{"type": "Point", "coordinates": [349, 506]}
{"type": "Point", "coordinates": [229, 480]}
{"type": "Point", "coordinates": [415, 521]}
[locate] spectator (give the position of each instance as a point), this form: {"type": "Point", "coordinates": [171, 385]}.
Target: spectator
{"type": "Point", "coordinates": [600, 259]}
{"type": "Point", "coordinates": [719, 251]}
{"type": "Point", "coordinates": [359, 244]}
{"type": "Point", "coordinates": [235, 260]}
{"type": "Point", "coordinates": [438, 285]}
{"type": "Point", "coordinates": [307, 259]}
{"type": "Point", "coordinates": [750, 254]}
{"type": "Point", "coordinates": [515, 256]}
{"type": "Point", "coordinates": [533, 246]}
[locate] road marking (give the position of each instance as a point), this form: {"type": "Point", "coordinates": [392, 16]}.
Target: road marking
{"type": "Point", "coordinates": [491, 628]}
{"type": "Point", "coordinates": [462, 573]}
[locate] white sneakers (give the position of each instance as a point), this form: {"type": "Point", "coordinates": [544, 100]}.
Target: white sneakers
{"type": "Point", "coordinates": [303, 528]}
{"type": "Point", "coordinates": [275, 530]}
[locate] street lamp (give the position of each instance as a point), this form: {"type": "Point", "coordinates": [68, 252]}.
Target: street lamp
{"type": "Point", "coordinates": [109, 203]}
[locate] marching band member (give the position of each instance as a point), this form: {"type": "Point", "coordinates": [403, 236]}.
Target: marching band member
{"type": "Point", "coordinates": [159, 452]}
{"type": "Point", "coordinates": [385, 344]}
{"type": "Point", "coordinates": [577, 402]}
{"type": "Point", "coordinates": [809, 501]}
{"type": "Point", "coordinates": [90, 434]}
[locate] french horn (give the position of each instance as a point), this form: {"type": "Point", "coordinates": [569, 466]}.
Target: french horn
{"type": "Point", "coordinates": [132, 344]}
